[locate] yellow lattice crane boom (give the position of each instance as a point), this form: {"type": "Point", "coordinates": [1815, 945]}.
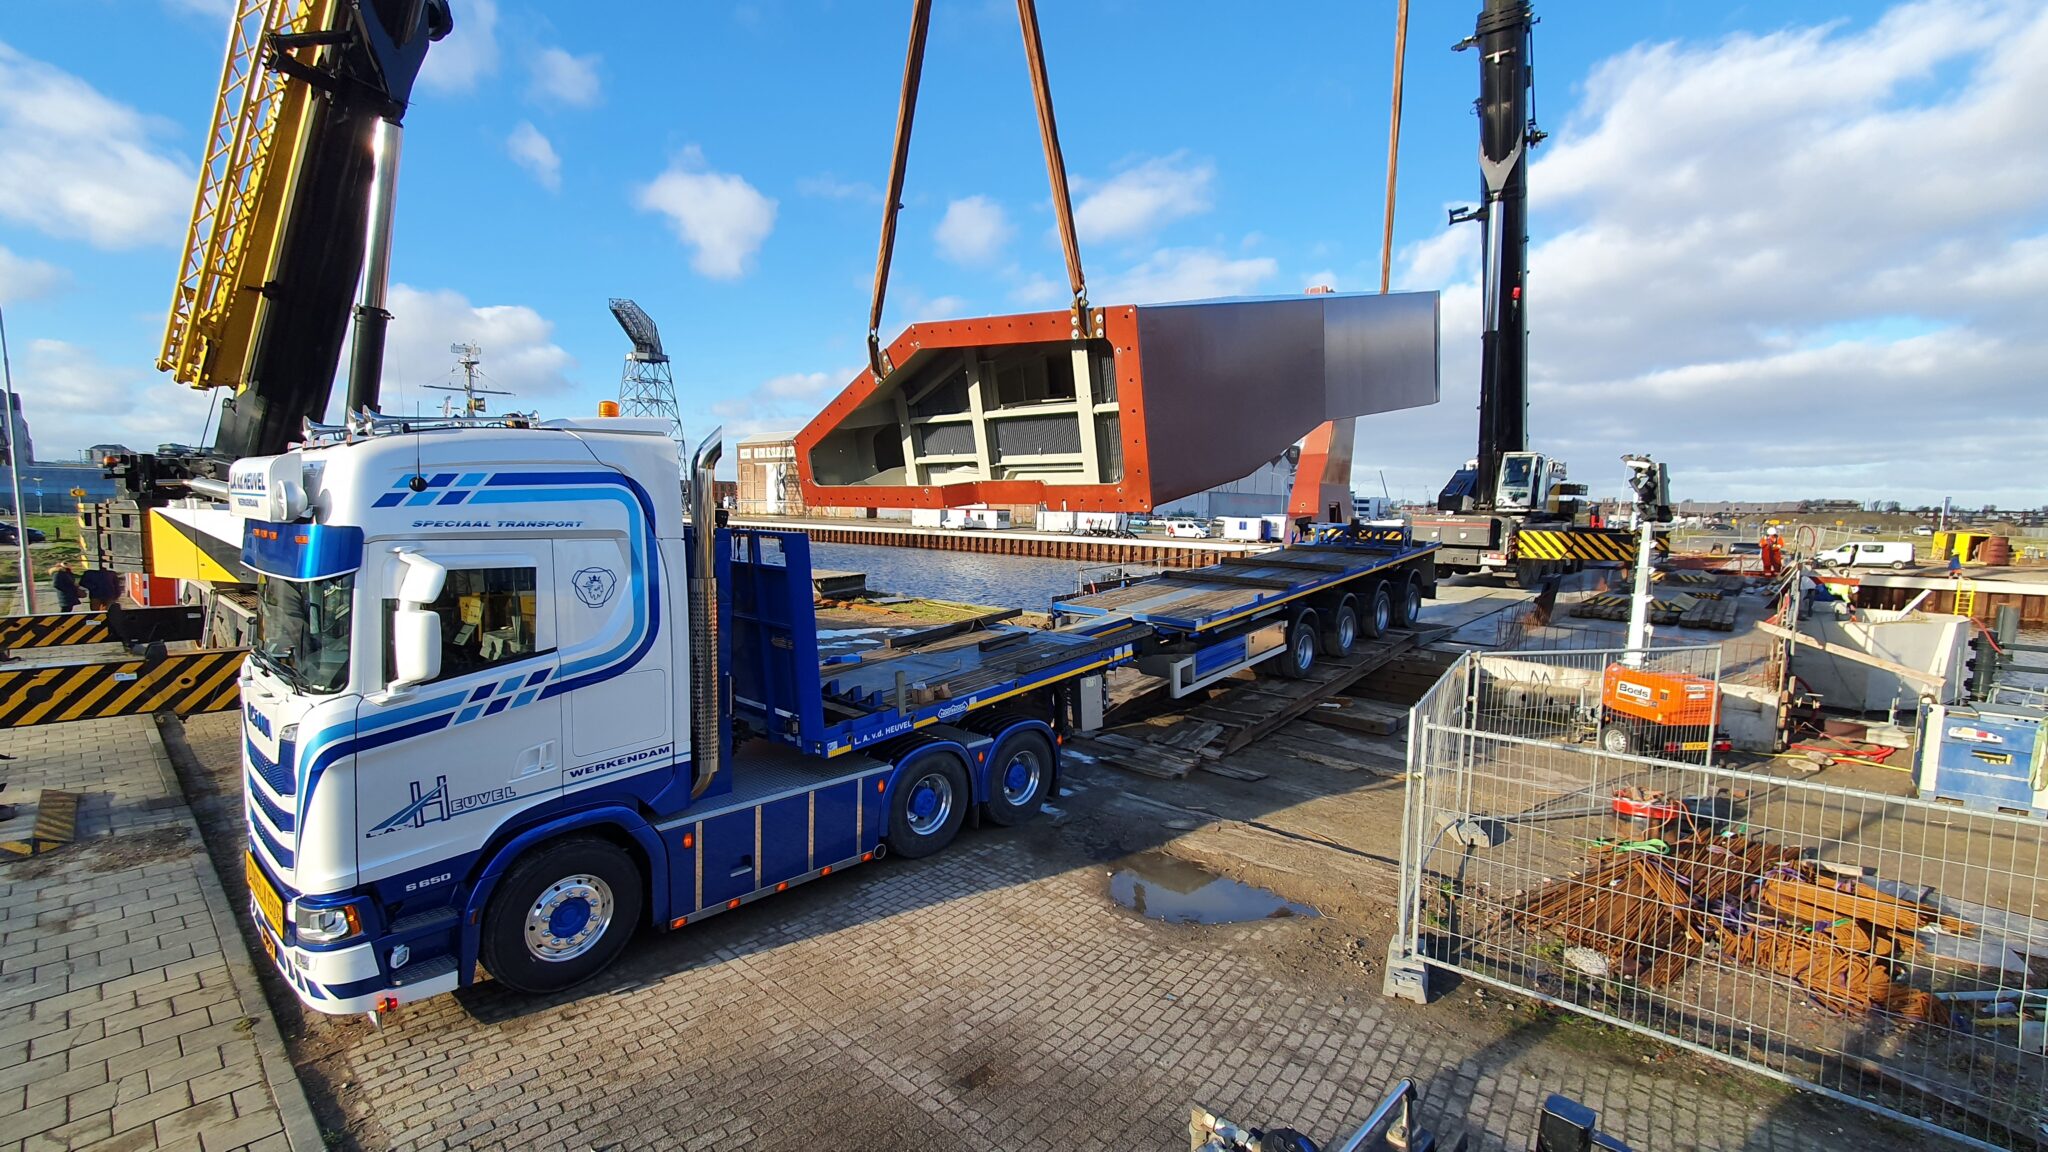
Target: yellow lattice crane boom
{"type": "Point", "coordinates": [258, 128]}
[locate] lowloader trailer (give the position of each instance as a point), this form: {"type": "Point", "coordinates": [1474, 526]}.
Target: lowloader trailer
{"type": "Point", "coordinates": [505, 707]}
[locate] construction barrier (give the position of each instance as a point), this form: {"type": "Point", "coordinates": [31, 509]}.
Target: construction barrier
{"type": "Point", "coordinates": [1598, 544]}
{"type": "Point", "coordinates": [201, 680]}
{"type": "Point", "coordinates": [54, 630]}
{"type": "Point", "coordinates": [117, 625]}
{"type": "Point", "coordinates": [1878, 949]}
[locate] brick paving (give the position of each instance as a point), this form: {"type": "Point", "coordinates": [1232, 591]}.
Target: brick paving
{"type": "Point", "coordinates": [992, 998]}
{"type": "Point", "coordinates": [130, 1017]}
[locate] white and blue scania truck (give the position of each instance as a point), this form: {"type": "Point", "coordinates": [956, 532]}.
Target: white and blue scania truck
{"type": "Point", "coordinates": [507, 706]}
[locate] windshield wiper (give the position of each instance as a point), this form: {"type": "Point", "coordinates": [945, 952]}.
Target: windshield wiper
{"type": "Point", "coordinates": [278, 668]}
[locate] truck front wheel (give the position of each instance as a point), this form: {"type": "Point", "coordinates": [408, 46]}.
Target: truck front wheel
{"type": "Point", "coordinates": [561, 915]}
{"type": "Point", "coordinates": [1019, 772]}
{"type": "Point", "coordinates": [1617, 739]}
{"type": "Point", "coordinates": [929, 804]}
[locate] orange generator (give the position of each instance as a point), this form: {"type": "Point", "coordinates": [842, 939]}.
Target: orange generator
{"type": "Point", "coordinates": [1646, 712]}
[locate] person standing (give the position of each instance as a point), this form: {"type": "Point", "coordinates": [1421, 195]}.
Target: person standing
{"type": "Point", "coordinates": [65, 581]}
{"type": "Point", "coordinates": [102, 588]}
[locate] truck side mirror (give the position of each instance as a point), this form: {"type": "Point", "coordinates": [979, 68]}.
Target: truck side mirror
{"type": "Point", "coordinates": [415, 646]}
{"type": "Point", "coordinates": [423, 579]}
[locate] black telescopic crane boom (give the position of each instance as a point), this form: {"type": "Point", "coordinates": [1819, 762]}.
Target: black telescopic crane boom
{"type": "Point", "coordinates": [1507, 130]}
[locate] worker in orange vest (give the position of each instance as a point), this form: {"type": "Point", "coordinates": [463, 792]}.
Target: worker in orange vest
{"type": "Point", "coordinates": [1773, 549]}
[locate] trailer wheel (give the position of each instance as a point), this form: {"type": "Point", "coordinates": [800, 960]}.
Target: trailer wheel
{"type": "Point", "coordinates": [1299, 659]}
{"type": "Point", "coordinates": [930, 802]}
{"type": "Point", "coordinates": [561, 915]}
{"type": "Point", "coordinates": [1408, 605]}
{"type": "Point", "coordinates": [1341, 636]}
{"type": "Point", "coordinates": [1617, 739]}
{"type": "Point", "coordinates": [1378, 615]}
{"type": "Point", "coordinates": [1019, 770]}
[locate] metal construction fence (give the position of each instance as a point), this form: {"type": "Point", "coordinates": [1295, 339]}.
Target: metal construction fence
{"type": "Point", "coordinates": [1882, 950]}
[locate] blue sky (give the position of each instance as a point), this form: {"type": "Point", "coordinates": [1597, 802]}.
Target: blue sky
{"type": "Point", "coordinates": [719, 163]}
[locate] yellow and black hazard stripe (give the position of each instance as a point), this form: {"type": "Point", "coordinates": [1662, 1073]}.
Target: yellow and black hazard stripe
{"type": "Point", "coordinates": [1608, 544]}
{"type": "Point", "coordinates": [180, 548]}
{"type": "Point", "coordinates": [56, 824]}
{"type": "Point", "coordinates": [54, 630]}
{"type": "Point", "coordinates": [202, 680]}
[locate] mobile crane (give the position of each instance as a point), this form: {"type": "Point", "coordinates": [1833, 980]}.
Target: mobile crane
{"type": "Point", "coordinates": [1510, 509]}
{"type": "Point", "coordinates": [293, 211]}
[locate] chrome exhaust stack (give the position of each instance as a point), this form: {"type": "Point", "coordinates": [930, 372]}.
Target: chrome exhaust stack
{"type": "Point", "coordinates": [706, 742]}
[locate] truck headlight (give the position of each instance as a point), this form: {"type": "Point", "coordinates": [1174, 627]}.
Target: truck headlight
{"type": "Point", "coordinates": [326, 925]}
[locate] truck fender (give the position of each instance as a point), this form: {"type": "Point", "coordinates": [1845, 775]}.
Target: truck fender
{"type": "Point", "coordinates": [918, 751]}
{"type": "Point", "coordinates": [613, 816]}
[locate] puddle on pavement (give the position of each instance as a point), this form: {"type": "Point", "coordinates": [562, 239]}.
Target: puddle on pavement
{"type": "Point", "coordinates": [1163, 887]}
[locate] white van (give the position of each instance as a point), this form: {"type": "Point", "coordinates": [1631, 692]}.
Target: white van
{"type": "Point", "coordinates": [1894, 554]}
{"type": "Point", "coordinates": [1188, 529]}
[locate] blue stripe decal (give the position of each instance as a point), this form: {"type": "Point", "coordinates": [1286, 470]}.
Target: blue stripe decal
{"type": "Point", "coordinates": [453, 497]}
{"type": "Point", "coordinates": [389, 500]}
{"type": "Point", "coordinates": [419, 498]}
{"type": "Point", "coordinates": [537, 677]}
{"type": "Point", "coordinates": [497, 706]}
{"type": "Point", "coordinates": [524, 699]}
{"type": "Point", "coordinates": [470, 713]}
{"type": "Point", "coordinates": [482, 691]}
{"type": "Point", "coordinates": [471, 479]}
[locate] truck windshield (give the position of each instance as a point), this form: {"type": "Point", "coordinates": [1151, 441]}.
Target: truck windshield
{"type": "Point", "coordinates": [302, 630]}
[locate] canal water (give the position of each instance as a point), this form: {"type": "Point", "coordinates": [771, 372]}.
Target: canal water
{"type": "Point", "coordinates": [1026, 582]}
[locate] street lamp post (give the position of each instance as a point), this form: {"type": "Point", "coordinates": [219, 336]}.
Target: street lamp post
{"type": "Point", "coordinates": [22, 572]}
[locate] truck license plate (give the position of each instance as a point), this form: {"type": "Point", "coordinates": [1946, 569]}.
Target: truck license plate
{"type": "Point", "coordinates": [265, 896]}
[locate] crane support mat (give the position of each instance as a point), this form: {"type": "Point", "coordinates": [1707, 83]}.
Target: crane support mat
{"type": "Point", "coordinates": [1151, 403]}
{"type": "Point", "coordinates": [113, 626]}
{"type": "Point", "coordinates": [56, 825]}
{"type": "Point", "coordinates": [187, 683]}
{"type": "Point", "coordinates": [1196, 600]}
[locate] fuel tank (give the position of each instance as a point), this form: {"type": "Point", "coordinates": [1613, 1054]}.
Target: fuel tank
{"type": "Point", "coordinates": [1157, 402]}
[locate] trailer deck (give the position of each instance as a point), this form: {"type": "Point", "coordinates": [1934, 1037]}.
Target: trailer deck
{"type": "Point", "coordinates": [1197, 600]}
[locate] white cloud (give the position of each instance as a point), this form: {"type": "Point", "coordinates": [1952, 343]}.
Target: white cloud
{"type": "Point", "coordinates": [1796, 264]}
{"type": "Point", "coordinates": [532, 151]}
{"type": "Point", "coordinates": [461, 60]}
{"type": "Point", "coordinates": [22, 278]}
{"type": "Point", "coordinates": [827, 186]}
{"type": "Point", "coordinates": [73, 400]}
{"type": "Point", "coordinates": [1185, 274]}
{"type": "Point", "coordinates": [78, 165]}
{"type": "Point", "coordinates": [1143, 197]}
{"type": "Point", "coordinates": [562, 76]}
{"type": "Point", "coordinates": [519, 351]}
{"type": "Point", "coordinates": [798, 385]}
{"type": "Point", "coordinates": [973, 230]}
{"type": "Point", "coordinates": [782, 403]}
{"type": "Point", "coordinates": [1038, 291]}
{"type": "Point", "coordinates": [722, 218]}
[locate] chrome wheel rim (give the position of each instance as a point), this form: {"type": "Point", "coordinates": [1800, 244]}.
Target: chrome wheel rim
{"type": "Point", "coordinates": [1382, 611]}
{"type": "Point", "coordinates": [1021, 776]}
{"type": "Point", "coordinates": [1304, 650]}
{"type": "Point", "coordinates": [930, 803]}
{"type": "Point", "coordinates": [1347, 630]}
{"type": "Point", "coordinates": [569, 918]}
